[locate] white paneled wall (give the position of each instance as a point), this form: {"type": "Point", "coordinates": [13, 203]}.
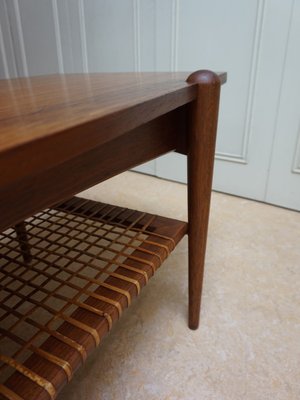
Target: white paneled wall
{"type": "Point", "coordinates": [257, 42]}
{"type": "Point", "coordinates": [283, 186]}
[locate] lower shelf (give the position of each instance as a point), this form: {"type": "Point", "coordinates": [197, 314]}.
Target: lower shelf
{"type": "Point", "coordinates": [64, 281]}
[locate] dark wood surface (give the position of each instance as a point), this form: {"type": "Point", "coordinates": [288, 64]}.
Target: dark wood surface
{"type": "Point", "coordinates": [60, 182]}
{"type": "Point", "coordinates": [201, 151]}
{"type": "Point", "coordinates": [46, 120]}
{"type": "Point", "coordinates": [55, 129]}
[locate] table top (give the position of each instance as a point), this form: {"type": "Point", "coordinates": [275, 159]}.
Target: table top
{"type": "Point", "coordinates": [50, 119]}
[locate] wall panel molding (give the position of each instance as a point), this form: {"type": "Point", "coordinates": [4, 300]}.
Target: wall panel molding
{"type": "Point", "coordinates": [57, 37]}
{"type": "Point", "coordinates": [174, 35]}
{"type": "Point", "coordinates": [296, 158]}
{"type": "Point", "coordinates": [163, 32]}
{"type": "Point", "coordinates": [82, 27]}
{"type": "Point", "coordinates": [284, 62]}
{"type": "Point", "coordinates": [234, 158]}
{"type": "Point", "coordinates": [137, 34]}
{"type": "Point", "coordinates": [260, 15]}
{"type": "Point", "coordinates": [3, 55]}
{"type": "Point", "coordinates": [243, 157]}
{"type": "Point", "coordinates": [20, 37]}
{"type": "Point", "coordinates": [7, 45]}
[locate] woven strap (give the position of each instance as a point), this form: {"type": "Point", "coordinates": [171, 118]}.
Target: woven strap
{"type": "Point", "coordinates": [9, 394]}
{"type": "Point", "coordinates": [33, 376]}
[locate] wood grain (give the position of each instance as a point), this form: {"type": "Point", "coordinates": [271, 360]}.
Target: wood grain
{"type": "Point", "coordinates": [45, 188]}
{"type": "Point", "coordinates": [47, 120]}
{"type": "Point", "coordinates": [201, 150]}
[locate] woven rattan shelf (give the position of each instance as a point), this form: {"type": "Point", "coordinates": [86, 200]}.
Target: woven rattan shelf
{"type": "Point", "coordinates": [64, 280]}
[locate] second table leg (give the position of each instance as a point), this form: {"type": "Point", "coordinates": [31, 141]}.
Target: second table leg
{"type": "Point", "coordinates": [201, 149]}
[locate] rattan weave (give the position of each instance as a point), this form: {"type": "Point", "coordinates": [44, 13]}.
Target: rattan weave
{"type": "Point", "coordinates": [66, 275]}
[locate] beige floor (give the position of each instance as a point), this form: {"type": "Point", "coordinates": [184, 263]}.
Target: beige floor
{"type": "Point", "coordinates": [248, 344]}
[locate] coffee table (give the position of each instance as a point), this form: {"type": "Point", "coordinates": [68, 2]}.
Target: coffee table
{"type": "Point", "coordinates": [69, 266]}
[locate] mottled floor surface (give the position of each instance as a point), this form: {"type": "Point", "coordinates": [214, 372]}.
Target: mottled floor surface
{"type": "Point", "coordinates": [248, 344]}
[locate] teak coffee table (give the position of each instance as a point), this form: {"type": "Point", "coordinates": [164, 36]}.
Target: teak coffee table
{"type": "Point", "coordinates": [70, 266]}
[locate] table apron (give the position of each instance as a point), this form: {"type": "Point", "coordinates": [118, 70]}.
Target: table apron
{"type": "Point", "coordinates": [23, 198]}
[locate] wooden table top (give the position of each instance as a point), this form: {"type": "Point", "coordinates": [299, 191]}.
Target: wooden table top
{"type": "Point", "coordinates": [46, 120]}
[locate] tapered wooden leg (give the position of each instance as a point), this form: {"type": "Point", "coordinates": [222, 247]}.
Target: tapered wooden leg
{"type": "Point", "coordinates": [23, 241]}
{"type": "Point", "coordinates": [201, 149]}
